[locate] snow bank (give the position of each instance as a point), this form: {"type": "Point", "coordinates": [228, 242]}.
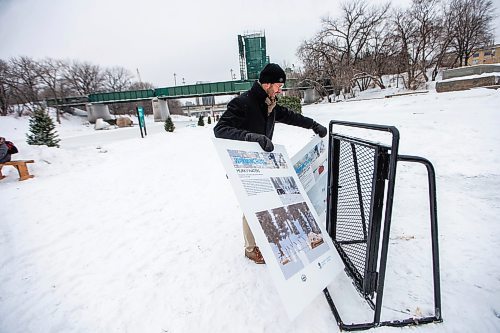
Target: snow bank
{"type": "Point", "coordinates": [120, 233]}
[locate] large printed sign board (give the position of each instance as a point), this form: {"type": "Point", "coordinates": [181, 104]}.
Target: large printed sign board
{"type": "Point", "coordinates": [299, 253]}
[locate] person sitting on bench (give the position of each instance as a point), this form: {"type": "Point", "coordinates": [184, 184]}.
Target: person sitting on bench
{"type": "Point", "coordinates": [7, 149]}
{"type": "Point", "coordinates": [4, 151]}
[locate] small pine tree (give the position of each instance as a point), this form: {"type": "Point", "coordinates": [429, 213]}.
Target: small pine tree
{"type": "Point", "coordinates": [169, 125]}
{"type": "Point", "coordinates": [43, 130]}
{"type": "Point", "coordinates": [209, 120]}
{"type": "Point", "coordinates": [200, 121]}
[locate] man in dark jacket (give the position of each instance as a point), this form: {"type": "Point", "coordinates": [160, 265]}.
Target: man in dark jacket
{"type": "Point", "coordinates": [251, 117]}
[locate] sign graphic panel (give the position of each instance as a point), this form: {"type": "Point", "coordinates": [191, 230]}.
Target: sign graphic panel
{"type": "Point", "coordinates": [298, 251]}
{"type": "Point", "coordinates": [310, 164]}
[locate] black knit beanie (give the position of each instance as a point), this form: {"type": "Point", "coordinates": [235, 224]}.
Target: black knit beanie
{"type": "Point", "coordinates": [272, 73]}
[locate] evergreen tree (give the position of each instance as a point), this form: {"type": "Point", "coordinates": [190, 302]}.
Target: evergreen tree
{"type": "Point", "coordinates": [43, 130]}
{"type": "Point", "coordinates": [200, 121]}
{"type": "Point", "coordinates": [209, 120]}
{"type": "Point", "coordinates": [169, 125]}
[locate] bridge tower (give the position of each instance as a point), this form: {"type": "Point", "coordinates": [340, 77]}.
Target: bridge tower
{"type": "Point", "coordinates": [252, 53]}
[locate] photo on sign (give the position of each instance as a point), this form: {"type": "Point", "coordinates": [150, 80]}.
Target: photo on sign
{"type": "Point", "coordinates": [287, 189]}
{"type": "Point", "coordinates": [311, 165]}
{"type": "Point", "coordinates": [294, 236]}
{"type": "Point", "coordinates": [308, 159]}
{"type": "Point", "coordinates": [253, 159]}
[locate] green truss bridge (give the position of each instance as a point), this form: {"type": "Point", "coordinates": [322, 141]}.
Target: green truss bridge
{"type": "Point", "coordinates": [184, 91]}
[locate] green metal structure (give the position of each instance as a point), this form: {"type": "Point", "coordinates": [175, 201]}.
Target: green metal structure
{"type": "Point", "coordinates": [253, 55]}
{"type": "Point", "coordinates": [189, 90]}
{"type": "Point", "coordinates": [203, 89]}
{"type": "Point", "coordinates": [131, 95]}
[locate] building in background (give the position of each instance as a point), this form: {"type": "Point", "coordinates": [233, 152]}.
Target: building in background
{"type": "Point", "coordinates": [486, 55]}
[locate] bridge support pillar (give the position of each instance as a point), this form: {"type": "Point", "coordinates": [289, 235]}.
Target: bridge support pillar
{"type": "Point", "coordinates": [95, 111]}
{"type": "Point", "coordinates": [160, 109]}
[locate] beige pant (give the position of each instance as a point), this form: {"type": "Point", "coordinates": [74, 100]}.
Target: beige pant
{"type": "Point", "coordinates": [247, 234]}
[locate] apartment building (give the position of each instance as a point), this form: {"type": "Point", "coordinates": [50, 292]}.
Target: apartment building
{"type": "Point", "coordinates": [486, 55]}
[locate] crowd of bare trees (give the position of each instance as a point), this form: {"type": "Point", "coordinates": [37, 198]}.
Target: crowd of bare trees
{"type": "Point", "coordinates": [364, 42]}
{"type": "Point", "coordinates": [26, 81]}
{"type": "Point", "coordinates": [355, 49]}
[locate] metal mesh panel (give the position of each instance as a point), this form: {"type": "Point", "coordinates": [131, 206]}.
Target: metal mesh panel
{"type": "Point", "coordinates": [356, 173]}
{"type": "Point", "coordinates": [356, 254]}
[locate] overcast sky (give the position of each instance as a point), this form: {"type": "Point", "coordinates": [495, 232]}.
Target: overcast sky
{"type": "Point", "coordinates": [195, 39]}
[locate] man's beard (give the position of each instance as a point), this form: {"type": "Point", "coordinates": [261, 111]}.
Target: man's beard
{"type": "Point", "coordinates": [269, 92]}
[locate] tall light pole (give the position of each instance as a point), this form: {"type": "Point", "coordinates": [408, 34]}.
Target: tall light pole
{"type": "Point", "coordinates": [175, 81]}
{"type": "Point", "coordinates": [231, 74]}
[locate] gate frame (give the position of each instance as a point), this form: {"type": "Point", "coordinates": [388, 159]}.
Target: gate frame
{"type": "Point", "coordinates": [379, 279]}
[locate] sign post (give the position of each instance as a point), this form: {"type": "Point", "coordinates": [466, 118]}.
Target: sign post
{"type": "Point", "coordinates": [142, 123]}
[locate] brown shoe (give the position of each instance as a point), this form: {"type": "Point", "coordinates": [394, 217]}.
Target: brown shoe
{"type": "Point", "coordinates": [255, 256]}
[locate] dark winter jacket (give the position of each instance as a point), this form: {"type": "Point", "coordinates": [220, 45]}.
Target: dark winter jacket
{"type": "Point", "coordinates": [248, 113]}
{"type": "Point", "coordinates": [4, 154]}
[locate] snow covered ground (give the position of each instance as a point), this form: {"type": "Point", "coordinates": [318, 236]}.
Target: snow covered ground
{"type": "Point", "coordinates": [122, 234]}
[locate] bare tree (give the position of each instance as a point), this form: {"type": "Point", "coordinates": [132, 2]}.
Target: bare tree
{"type": "Point", "coordinates": [50, 71]}
{"type": "Point", "coordinates": [117, 79]}
{"type": "Point", "coordinates": [361, 45]}
{"type": "Point", "coordinates": [374, 62]}
{"type": "Point", "coordinates": [350, 34]}
{"type": "Point", "coordinates": [24, 81]}
{"type": "Point", "coordinates": [320, 65]}
{"type": "Point", "coordinates": [427, 18]}
{"type": "Point", "coordinates": [417, 33]}
{"type": "Point", "coordinates": [337, 51]}
{"type": "Point", "coordinates": [140, 85]}
{"type": "Point", "coordinates": [5, 90]}
{"type": "Point", "coordinates": [446, 27]}
{"type": "Point", "coordinates": [174, 106]}
{"type": "Point", "coordinates": [83, 78]}
{"type": "Point", "coordinates": [473, 26]}
{"type": "Point", "coordinates": [406, 31]}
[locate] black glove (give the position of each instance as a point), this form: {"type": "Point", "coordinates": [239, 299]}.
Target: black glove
{"type": "Point", "coordinates": [319, 129]}
{"type": "Point", "coordinates": [263, 141]}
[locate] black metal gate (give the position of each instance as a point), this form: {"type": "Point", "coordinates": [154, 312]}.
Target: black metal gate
{"type": "Point", "coordinates": [359, 171]}
{"type": "Point", "coordinates": [360, 176]}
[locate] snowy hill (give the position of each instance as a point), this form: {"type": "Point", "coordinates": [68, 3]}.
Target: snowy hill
{"type": "Point", "coordinates": [121, 234]}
